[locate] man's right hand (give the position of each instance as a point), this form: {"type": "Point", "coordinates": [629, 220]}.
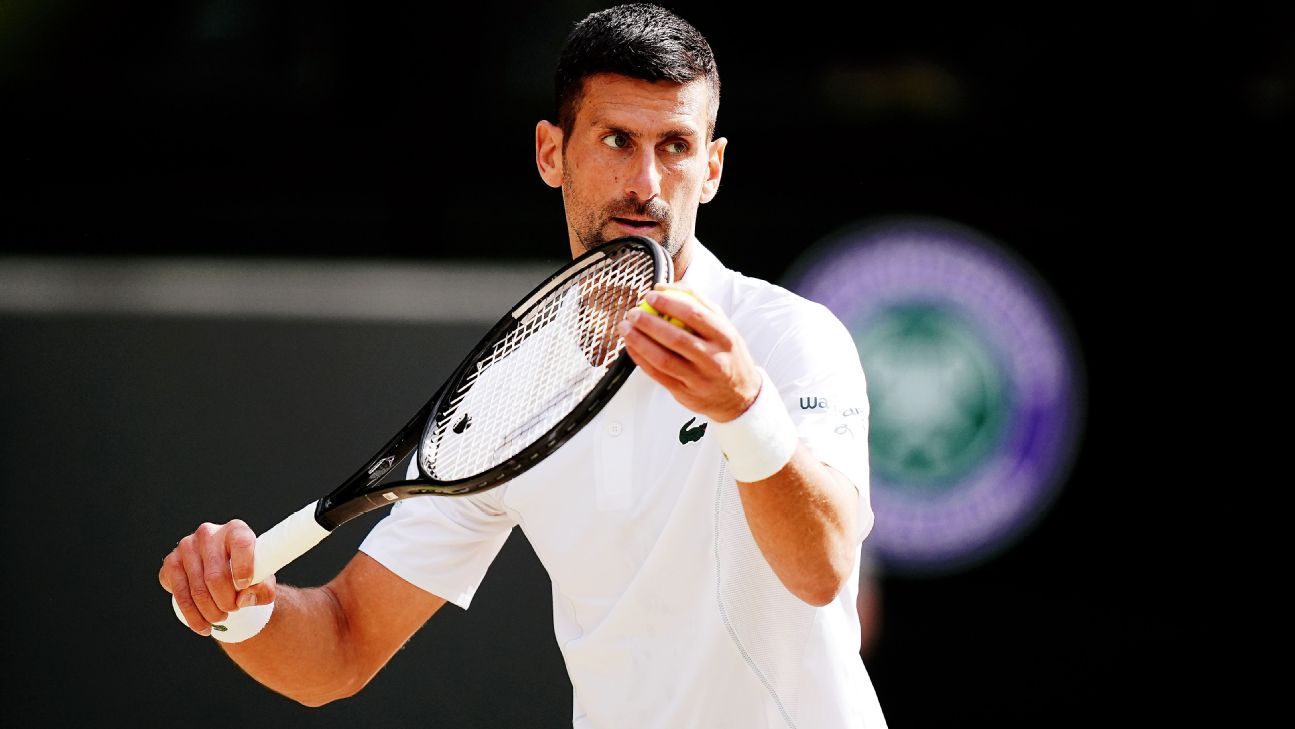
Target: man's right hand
{"type": "Point", "coordinates": [208, 574]}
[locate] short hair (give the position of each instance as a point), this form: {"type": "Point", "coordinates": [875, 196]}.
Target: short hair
{"type": "Point", "coordinates": [639, 40]}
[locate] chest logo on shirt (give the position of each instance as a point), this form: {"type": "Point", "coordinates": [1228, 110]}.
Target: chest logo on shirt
{"type": "Point", "coordinates": [690, 435]}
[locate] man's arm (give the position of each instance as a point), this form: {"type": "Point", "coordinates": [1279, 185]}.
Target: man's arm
{"type": "Point", "coordinates": [805, 520]}
{"type": "Point", "coordinates": [804, 517]}
{"type": "Point", "coordinates": [321, 644]}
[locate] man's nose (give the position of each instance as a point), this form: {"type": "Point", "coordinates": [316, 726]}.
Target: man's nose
{"type": "Point", "coordinates": [644, 181]}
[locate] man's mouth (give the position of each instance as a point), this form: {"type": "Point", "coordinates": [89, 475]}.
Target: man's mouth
{"type": "Point", "coordinates": [635, 224]}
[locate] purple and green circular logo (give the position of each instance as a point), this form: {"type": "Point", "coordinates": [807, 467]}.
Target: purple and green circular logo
{"type": "Point", "coordinates": [974, 383]}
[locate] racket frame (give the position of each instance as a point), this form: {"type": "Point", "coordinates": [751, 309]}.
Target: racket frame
{"type": "Point", "coordinates": [364, 491]}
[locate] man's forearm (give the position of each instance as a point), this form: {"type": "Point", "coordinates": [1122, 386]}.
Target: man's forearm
{"type": "Point", "coordinates": [805, 520]}
{"type": "Point", "coordinates": [302, 653]}
{"type": "Point", "coordinates": [327, 643]}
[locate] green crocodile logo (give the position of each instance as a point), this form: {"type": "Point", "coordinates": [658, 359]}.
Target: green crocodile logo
{"type": "Point", "coordinates": [689, 435]}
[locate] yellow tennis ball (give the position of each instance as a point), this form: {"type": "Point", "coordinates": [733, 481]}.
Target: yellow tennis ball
{"type": "Point", "coordinates": [673, 293]}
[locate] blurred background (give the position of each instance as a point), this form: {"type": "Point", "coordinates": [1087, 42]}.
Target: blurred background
{"type": "Point", "coordinates": [241, 242]}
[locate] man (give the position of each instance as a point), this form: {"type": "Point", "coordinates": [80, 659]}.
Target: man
{"type": "Point", "coordinates": [700, 579]}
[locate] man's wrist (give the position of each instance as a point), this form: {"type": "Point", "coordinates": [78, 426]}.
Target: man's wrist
{"type": "Point", "coordinates": [759, 442]}
{"type": "Point", "coordinates": [239, 626]}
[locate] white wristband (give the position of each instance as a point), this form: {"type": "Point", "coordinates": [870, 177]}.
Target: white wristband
{"type": "Point", "coordinates": [239, 626]}
{"type": "Point", "coordinates": [760, 441]}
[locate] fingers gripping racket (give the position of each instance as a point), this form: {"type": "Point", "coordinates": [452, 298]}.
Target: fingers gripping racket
{"type": "Point", "coordinates": [537, 377]}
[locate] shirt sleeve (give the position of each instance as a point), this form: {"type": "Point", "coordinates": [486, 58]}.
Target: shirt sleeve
{"type": "Point", "coordinates": [816, 368]}
{"type": "Point", "coordinates": [441, 544]}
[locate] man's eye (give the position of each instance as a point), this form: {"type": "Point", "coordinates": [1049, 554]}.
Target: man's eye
{"type": "Point", "coordinates": [677, 147]}
{"type": "Point", "coordinates": [616, 141]}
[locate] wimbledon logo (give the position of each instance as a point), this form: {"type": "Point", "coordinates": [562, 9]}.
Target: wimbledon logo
{"type": "Point", "coordinates": [973, 382]}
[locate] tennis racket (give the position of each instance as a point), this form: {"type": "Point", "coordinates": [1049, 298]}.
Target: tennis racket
{"type": "Point", "coordinates": [536, 378]}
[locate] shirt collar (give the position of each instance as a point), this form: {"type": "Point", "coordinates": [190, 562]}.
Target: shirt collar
{"type": "Point", "coordinates": [705, 273]}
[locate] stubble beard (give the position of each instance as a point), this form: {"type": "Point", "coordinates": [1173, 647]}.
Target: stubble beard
{"type": "Point", "coordinates": [589, 229]}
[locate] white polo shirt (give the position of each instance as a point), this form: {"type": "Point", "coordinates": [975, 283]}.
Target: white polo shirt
{"type": "Point", "coordinates": [665, 611]}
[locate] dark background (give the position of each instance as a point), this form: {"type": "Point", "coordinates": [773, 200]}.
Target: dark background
{"type": "Point", "coordinates": [1101, 148]}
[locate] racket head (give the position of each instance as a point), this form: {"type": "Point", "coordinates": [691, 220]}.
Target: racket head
{"type": "Point", "coordinates": [539, 375]}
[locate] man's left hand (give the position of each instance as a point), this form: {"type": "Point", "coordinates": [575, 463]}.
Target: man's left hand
{"type": "Point", "coordinates": [708, 369]}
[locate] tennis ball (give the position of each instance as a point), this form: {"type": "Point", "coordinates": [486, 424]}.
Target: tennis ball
{"type": "Point", "coordinates": [675, 294]}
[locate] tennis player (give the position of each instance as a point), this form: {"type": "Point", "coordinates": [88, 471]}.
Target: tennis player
{"type": "Point", "coordinates": [703, 533]}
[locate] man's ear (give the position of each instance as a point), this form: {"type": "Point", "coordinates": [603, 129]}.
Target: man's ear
{"type": "Point", "coordinates": [548, 153]}
{"type": "Point", "coordinates": [714, 168]}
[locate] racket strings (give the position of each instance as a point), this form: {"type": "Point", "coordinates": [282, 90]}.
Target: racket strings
{"type": "Point", "coordinates": [539, 372]}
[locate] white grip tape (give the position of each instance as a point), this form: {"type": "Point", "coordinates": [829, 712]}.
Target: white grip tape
{"type": "Point", "coordinates": [286, 541]}
{"type": "Point", "coordinates": [275, 549]}
{"type": "Point", "coordinates": [760, 441]}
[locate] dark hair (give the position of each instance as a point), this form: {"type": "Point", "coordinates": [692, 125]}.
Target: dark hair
{"type": "Point", "coordinates": [641, 41]}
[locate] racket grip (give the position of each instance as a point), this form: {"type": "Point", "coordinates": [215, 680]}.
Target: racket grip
{"type": "Point", "coordinates": [275, 549]}
{"type": "Point", "coordinates": [286, 541]}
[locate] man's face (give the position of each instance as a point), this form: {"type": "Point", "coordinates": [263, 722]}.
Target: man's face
{"type": "Point", "coordinates": [638, 162]}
